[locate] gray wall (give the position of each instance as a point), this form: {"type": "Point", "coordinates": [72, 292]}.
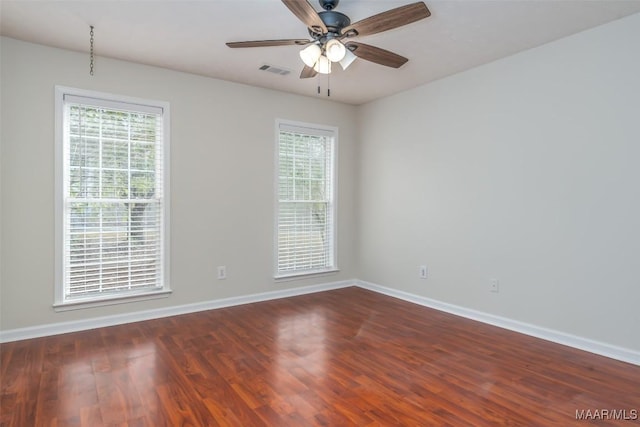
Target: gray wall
{"type": "Point", "coordinates": [525, 170]}
{"type": "Point", "coordinates": [222, 179]}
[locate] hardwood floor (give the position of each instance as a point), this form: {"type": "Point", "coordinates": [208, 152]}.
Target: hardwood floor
{"type": "Point", "coordinates": [337, 358]}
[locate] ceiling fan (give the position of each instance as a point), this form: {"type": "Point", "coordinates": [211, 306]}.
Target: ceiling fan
{"type": "Point", "coordinates": [332, 33]}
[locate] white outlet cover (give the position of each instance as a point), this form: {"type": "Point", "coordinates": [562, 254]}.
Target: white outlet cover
{"type": "Point", "coordinates": [423, 272]}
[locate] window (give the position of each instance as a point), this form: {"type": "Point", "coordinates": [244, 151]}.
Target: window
{"type": "Point", "coordinates": [305, 216]}
{"type": "Point", "coordinates": [112, 197]}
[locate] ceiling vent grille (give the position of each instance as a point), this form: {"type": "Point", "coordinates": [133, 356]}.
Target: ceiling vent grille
{"type": "Point", "coordinates": [275, 70]}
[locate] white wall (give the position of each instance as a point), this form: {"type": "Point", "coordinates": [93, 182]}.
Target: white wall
{"type": "Point", "coordinates": [526, 170]}
{"type": "Point", "coordinates": [222, 165]}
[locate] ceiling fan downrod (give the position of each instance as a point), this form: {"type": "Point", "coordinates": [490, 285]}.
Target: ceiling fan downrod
{"type": "Point", "coordinates": [329, 4]}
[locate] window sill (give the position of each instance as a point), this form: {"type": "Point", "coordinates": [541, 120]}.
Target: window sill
{"type": "Point", "coordinates": [110, 300]}
{"type": "Point", "coordinates": [305, 274]}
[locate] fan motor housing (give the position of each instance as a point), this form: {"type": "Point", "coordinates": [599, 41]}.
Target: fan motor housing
{"type": "Point", "coordinates": [334, 21]}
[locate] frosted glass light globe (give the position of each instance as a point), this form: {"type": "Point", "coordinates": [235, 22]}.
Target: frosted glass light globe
{"type": "Point", "coordinates": [335, 50]}
{"type": "Point", "coordinates": [323, 66]}
{"type": "Point", "coordinates": [310, 54]}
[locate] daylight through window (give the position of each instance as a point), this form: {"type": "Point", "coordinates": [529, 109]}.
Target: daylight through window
{"type": "Point", "coordinates": [114, 198]}
{"type": "Point", "coordinates": [305, 230]}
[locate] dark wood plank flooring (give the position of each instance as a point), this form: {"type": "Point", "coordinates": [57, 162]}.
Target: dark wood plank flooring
{"type": "Point", "coordinates": [337, 358]}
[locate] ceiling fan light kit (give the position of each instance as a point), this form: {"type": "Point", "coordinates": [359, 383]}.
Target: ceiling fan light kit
{"type": "Point", "coordinates": [332, 31]}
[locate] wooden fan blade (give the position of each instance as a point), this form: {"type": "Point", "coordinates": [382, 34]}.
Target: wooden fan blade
{"type": "Point", "coordinates": [375, 54]}
{"type": "Point", "coordinates": [390, 19]}
{"type": "Point", "coordinates": [308, 72]}
{"type": "Point", "coordinates": [306, 13]}
{"type": "Point", "coordinates": [267, 43]}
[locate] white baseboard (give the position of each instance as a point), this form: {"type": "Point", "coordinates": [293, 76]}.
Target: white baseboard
{"type": "Point", "coordinates": [603, 349]}
{"type": "Point", "coordinates": [119, 319]}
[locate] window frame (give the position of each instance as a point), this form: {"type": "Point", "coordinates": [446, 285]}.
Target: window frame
{"type": "Point", "coordinates": [311, 129]}
{"type": "Point", "coordinates": [61, 303]}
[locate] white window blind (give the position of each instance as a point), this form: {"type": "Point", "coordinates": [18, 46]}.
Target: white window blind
{"type": "Point", "coordinates": [305, 200]}
{"type": "Point", "coordinates": [113, 207]}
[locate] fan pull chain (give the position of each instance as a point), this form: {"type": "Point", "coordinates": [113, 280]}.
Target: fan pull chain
{"type": "Point", "coordinates": [91, 50]}
{"type": "Point", "coordinates": [328, 84]}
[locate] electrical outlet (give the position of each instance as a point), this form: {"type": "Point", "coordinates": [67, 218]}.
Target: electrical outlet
{"type": "Point", "coordinates": [422, 271]}
{"type": "Point", "coordinates": [494, 285]}
{"type": "Point", "coordinates": [222, 272]}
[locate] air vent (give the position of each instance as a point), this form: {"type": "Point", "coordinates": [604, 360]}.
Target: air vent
{"type": "Point", "coordinates": [275, 70]}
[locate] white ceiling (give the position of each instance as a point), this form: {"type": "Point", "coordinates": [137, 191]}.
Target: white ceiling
{"type": "Point", "coordinates": [190, 36]}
